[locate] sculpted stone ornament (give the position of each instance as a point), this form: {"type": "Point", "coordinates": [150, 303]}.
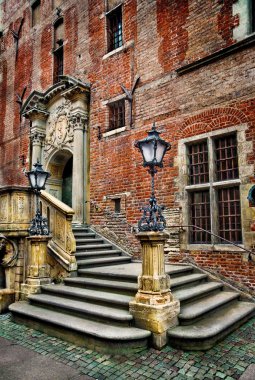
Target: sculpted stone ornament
{"type": "Point", "coordinates": [59, 131]}
{"type": "Point", "coordinates": [9, 249]}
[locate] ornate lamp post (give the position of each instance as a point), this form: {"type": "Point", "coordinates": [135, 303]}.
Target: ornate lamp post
{"type": "Point", "coordinates": [154, 307]}
{"type": "Point", "coordinates": [153, 149]}
{"type": "Point", "coordinates": [37, 179]}
{"type": "Point", "coordinates": [37, 267]}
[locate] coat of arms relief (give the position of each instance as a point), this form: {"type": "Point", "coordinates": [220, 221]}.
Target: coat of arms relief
{"type": "Point", "coordinates": [59, 129]}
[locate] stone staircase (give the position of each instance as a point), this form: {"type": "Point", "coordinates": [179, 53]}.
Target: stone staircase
{"type": "Point", "coordinates": [92, 308]}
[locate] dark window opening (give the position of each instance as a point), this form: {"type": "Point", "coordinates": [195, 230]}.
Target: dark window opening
{"type": "Point", "coordinates": [114, 26]}
{"type": "Point", "coordinates": [230, 214]}
{"type": "Point", "coordinates": [117, 205]}
{"type": "Point", "coordinates": [36, 12]}
{"type": "Point", "coordinates": [200, 217]}
{"type": "Point", "coordinates": [58, 64]}
{"type": "Point", "coordinates": [198, 163]}
{"type": "Point", "coordinates": [58, 69]}
{"type": "Point", "coordinates": [226, 158]}
{"type": "Point", "coordinates": [117, 115]}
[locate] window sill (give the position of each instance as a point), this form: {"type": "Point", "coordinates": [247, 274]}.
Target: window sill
{"type": "Point", "coordinates": [218, 184]}
{"type": "Point", "coordinates": [114, 132]}
{"type": "Point", "coordinates": [122, 48]}
{"type": "Point", "coordinates": [215, 247]}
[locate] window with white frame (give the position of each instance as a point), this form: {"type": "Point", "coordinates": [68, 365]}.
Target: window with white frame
{"type": "Point", "coordinates": [213, 190]}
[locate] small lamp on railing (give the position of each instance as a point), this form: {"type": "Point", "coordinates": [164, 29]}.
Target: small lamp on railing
{"type": "Point", "coordinates": [153, 149]}
{"type": "Point", "coordinates": [37, 179]}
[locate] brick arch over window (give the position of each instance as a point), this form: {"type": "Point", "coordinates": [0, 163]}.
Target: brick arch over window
{"type": "Point", "coordinates": [216, 118]}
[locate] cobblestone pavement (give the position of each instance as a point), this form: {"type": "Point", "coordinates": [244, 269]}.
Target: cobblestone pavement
{"type": "Point", "coordinates": [227, 360]}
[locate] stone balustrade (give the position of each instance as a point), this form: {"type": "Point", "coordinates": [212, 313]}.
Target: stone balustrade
{"type": "Point", "coordinates": [62, 245]}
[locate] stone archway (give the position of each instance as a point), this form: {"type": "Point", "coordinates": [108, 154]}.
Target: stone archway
{"type": "Point", "coordinates": [59, 131]}
{"type": "Point", "coordinates": [60, 165]}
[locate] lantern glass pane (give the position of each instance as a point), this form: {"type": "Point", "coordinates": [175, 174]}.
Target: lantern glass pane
{"type": "Point", "coordinates": [148, 151]}
{"type": "Point", "coordinates": [160, 152]}
{"type": "Point", "coordinates": [41, 179]}
{"type": "Point", "coordinates": [32, 179]}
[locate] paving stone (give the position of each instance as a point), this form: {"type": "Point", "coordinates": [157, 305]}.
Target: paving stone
{"type": "Point", "coordinates": [228, 360]}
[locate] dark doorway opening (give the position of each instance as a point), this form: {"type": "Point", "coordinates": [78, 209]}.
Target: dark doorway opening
{"type": "Point", "coordinates": [67, 183]}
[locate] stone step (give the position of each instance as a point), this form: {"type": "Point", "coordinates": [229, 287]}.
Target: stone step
{"type": "Point", "coordinates": [88, 294]}
{"type": "Point", "coordinates": [81, 307]}
{"type": "Point", "coordinates": [203, 334]}
{"type": "Point", "coordinates": [102, 261]}
{"type": "Point", "coordinates": [110, 252]}
{"type": "Point", "coordinates": [130, 271]}
{"type": "Point", "coordinates": [85, 235]}
{"type": "Point", "coordinates": [105, 285]}
{"type": "Point", "coordinates": [198, 308]}
{"type": "Point", "coordinates": [80, 330]}
{"type": "Point", "coordinates": [89, 241]}
{"type": "Point", "coordinates": [187, 280]}
{"type": "Point", "coordinates": [198, 291]}
{"type": "Point", "coordinates": [90, 247]}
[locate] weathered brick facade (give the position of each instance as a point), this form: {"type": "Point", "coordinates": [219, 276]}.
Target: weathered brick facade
{"type": "Point", "coordinates": [195, 78]}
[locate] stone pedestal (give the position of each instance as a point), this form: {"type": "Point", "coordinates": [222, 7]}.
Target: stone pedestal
{"type": "Point", "coordinates": [7, 297]}
{"type": "Point", "coordinates": [38, 271]}
{"type": "Point", "coordinates": [154, 307]}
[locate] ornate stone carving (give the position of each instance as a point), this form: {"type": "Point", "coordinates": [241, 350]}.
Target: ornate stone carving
{"type": "Point", "coordinates": [10, 252]}
{"type": "Point", "coordinates": [60, 232]}
{"type": "Point", "coordinates": [37, 138]}
{"type": "Point", "coordinates": [79, 120]}
{"type": "Point", "coordinates": [59, 131]}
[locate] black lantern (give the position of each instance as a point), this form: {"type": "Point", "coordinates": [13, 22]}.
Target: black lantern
{"type": "Point", "coordinates": [37, 179]}
{"type": "Point", "coordinates": [153, 149]}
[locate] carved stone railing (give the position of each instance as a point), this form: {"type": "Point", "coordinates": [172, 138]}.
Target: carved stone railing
{"type": "Point", "coordinates": [62, 245]}
{"type": "Point", "coordinates": [15, 211]}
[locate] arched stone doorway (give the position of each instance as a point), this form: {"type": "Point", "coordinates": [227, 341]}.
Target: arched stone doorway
{"type": "Point", "coordinates": [60, 141]}
{"type": "Point", "coordinates": [61, 181]}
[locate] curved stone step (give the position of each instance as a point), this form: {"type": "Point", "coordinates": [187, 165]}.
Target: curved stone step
{"type": "Point", "coordinates": [99, 283]}
{"type": "Point", "coordinates": [83, 294]}
{"type": "Point", "coordinates": [188, 279]}
{"type": "Point", "coordinates": [76, 328]}
{"type": "Point", "coordinates": [103, 261]}
{"type": "Point", "coordinates": [130, 271]}
{"type": "Point", "coordinates": [206, 332]}
{"type": "Point", "coordinates": [198, 308]}
{"type": "Point", "coordinates": [195, 292]}
{"type": "Point", "coordinates": [99, 311]}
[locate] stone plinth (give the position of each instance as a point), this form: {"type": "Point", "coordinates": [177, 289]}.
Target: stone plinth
{"type": "Point", "coordinates": [7, 297]}
{"type": "Point", "coordinates": [154, 307]}
{"type": "Point", "coordinates": [38, 271]}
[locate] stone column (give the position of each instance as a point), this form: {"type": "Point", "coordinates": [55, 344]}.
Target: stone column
{"type": "Point", "coordinates": [37, 134]}
{"type": "Point", "coordinates": [37, 141]}
{"type": "Point", "coordinates": [38, 271]}
{"type": "Point", "coordinates": [154, 307]}
{"type": "Point", "coordinates": [79, 121]}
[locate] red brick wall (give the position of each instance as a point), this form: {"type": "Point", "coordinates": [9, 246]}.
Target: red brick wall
{"type": "Point", "coordinates": [159, 37]}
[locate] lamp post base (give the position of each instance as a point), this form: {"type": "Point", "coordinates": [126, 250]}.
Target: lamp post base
{"type": "Point", "coordinates": [154, 307]}
{"type": "Point", "coordinates": [38, 270]}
